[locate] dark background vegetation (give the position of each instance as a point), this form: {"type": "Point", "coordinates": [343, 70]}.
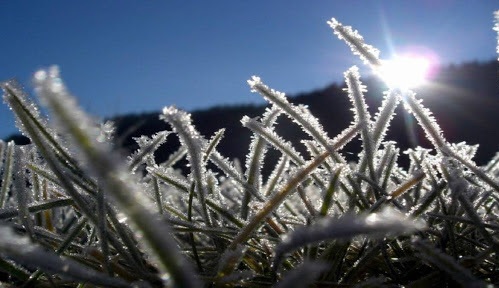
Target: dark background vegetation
{"type": "Point", "coordinates": [464, 99]}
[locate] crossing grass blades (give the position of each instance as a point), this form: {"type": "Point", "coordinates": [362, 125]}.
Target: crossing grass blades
{"type": "Point", "coordinates": [74, 213]}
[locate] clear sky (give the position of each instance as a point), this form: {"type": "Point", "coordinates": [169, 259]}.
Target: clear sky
{"type": "Point", "coordinates": [138, 56]}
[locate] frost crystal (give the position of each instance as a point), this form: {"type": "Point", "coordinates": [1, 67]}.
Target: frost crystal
{"type": "Point", "coordinates": [258, 149]}
{"type": "Point", "coordinates": [147, 147]}
{"type": "Point", "coordinates": [271, 136]}
{"type": "Point", "coordinates": [355, 93]}
{"type": "Point", "coordinates": [384, 116]}
{"type": "Point", "coordinates": [425, 119]}
{"type": "Point", "coordinates": [53, 93]}
{"type": "Point", "coordinates": [367, 53]}
{"type": "Point", "coordinates": [182, 124]}
{"type": "Point", "coordinates": [464, 150]}
{"type": "Point", "coordinates": [107, 130]}
{"type": "Point", "coordinates": [13, 93]}
{"type": "Point", "coordinates": [141, 226]}
{"type": "Point", "coordinates": [299, 114]}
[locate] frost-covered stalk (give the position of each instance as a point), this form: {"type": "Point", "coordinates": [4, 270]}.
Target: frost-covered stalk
{"type": "Point", "coordinates": [254, 160]}
{"type": "Point", "coordinates": [74, 173]}
{"type": "Point", "coordinates": [116, 181]}
{"type": "Point", "coordinates": [362, 116]}
{"type": "Point", "coordinates": [370, 56]}
{"type": "Point", "coordinates": [230, 170]}
{"type": "Point", "coordinates": [14, 98]}
{"type": "Point", "coordinates": [434, 134]}
{"type": "Point", "coordinates": [293, 182]}
{"type": "Point", "coordinates": [146, 149]}
{"type": "Point", "coordinates": [182, 124]}
{"type": "Point", "coordinates": [425, 119]}
{"type": "Point", "coordinates": [355, 41]}
{"type": "Point", "coordinates": [21, 191]}
{"type": "Point", "coordinates": [384, 116]}
{"type": "Point", "coordinates": [26, 111]}
{"type": "Point", "coordinates": [271, 137]}
{"type": "Point", "coordinates": [298, 114]}
{"type": "Point", "coordinates": [7, 172]}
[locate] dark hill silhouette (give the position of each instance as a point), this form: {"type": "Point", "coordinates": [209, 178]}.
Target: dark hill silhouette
{"type": "Point", "coordinates": [464, 99]}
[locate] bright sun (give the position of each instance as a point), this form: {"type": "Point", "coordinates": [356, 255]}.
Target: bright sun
{"type": "Point", "coordinates": [405, 72]}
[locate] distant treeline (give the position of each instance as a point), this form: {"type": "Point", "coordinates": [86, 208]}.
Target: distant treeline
{"type": "Point", "coordinates": [464, 99]}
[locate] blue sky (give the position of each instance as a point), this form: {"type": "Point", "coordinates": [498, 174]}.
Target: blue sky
{"type": "Point", "coordinates": [137, 56]}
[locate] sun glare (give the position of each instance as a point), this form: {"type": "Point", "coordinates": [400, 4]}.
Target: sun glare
{"type": "Point", "coordinates": [405, 71]}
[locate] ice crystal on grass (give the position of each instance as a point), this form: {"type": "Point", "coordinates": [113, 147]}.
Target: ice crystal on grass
{"type": "Point", "coordinates": [355, 93]}
{"type": "Point", "coordinates": [362, 116]}
{"type": "Point", "coordinates": [425, 118]}
{"type": "Point", "coordinates": [110, 170]}
{"type": "Point", "coordinates": [367, 53]}
{"type": "Point", "coordinates": [297, 113]}
{"type": "Point", "coordinates": [107, 131]}
{"type": "Point", "coordinates": [182, 124]}
{"type": "Point", "coordinates": [147, 146]}
{"type": "Point", "coordinates": [7, 172]}
{"type": "Point", "coordinates": [384, 116]}
{"type": "Point", "coordinates": [13, 93]}
{"type": "Point", "coordinates": [80, 214]}
{"type": "Point", "coordinates": [275, 140]}
{"type": "Point", "coordinates": [21, 191]}
{"type": "Point", "coordinates": [258, 148]}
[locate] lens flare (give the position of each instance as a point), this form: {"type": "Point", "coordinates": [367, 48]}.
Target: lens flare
{"type": "Point", "coordinates": [405, 72]}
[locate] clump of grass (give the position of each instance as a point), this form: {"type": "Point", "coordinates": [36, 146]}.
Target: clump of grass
{"type": "Point", "coordinates": [75, 214]}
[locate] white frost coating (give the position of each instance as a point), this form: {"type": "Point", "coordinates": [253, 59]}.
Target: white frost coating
{"type": "Point", "coordinates": [384, 116]}
{"type": "Point", "coordinates": [227, 166]}
{"type": "Point", "coordinates": [275, 177]}
{"type": "Point", "coordinates": [211, 145]}
{"type": "Point", "coordinates": [299, 114]}
{"type": "Point", "coordinates": [107, 130]}
{"type": "Point", "coordinates": [147, 147]}
{"type": "Point", "coordinates": [255, 80]}
{"type": "Point", "coordinates": [362, 115]}
{"type": "Point", "coordinates": [464, 150]}
{"type": "Point", "coordinates": [181, 123]}
{"type": "Point", "coordinates": [19, 95]}
{"type": "Point", "coordinates": [258, 148]}
{"type": "Point", "coordinates": [53, 93]}
{"type": "Point", "coordinates": [275, 140]}
{"type": "Point", "coordinates": [425, 119]}
{"type": "Point", "coordinates": [367, 53]}
{"type": "Point", "coordinates": [355, 93]}
{"type": "Point", "coordinates": [119, 183]}
{"type": "Point", "coordinates": [345, 136]}
{"type": "Point", "coordinates": [180, 120]}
